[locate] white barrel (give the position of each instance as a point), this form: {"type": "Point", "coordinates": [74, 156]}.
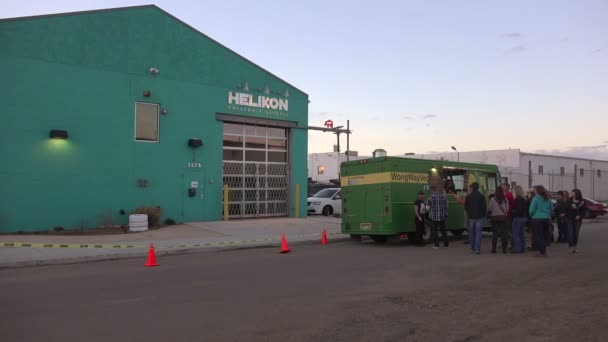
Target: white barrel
{"type": "Point", "coordinates": [138, 223]}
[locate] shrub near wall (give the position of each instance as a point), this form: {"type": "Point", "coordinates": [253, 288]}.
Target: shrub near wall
{"type": "Point", "coordinates": [154, 214]}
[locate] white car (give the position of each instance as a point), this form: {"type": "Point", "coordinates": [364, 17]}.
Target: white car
{"type": "Point", "coordinates": [325, 202]}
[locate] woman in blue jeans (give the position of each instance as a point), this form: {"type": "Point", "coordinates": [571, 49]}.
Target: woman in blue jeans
{"type": "Point", "coordinates": [574, 216]}
{"type": "Point", "coordinates": [540, 212]}
{"type": "Point", "coordinates": [520, 217]}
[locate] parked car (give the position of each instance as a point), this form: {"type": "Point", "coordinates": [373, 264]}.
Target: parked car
{"type": "Point", "coordinates": [594, 208]}
{"type": "Point", "coordinates": [325, 202]}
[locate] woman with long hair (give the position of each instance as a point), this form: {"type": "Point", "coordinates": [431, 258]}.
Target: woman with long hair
{"type": "Point", "coordinates": [574, 216]}
{"type": "Point", "coordinates": [520, 216]}
{"type": "Point", "coordinates": [540, 212]}
{"type": "Point", "coordinates": [499, 209]}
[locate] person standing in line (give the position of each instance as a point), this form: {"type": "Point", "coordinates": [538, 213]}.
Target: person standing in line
{"type": "Point", "coordinates": [438, 207]}
{"type": "Point", "coordinates": [499, 209]}
{"type": "Point", "coordinates": [560, 215]}
{"type": "Point", "coordinates": [520, 217]}
{"type": "Point", "coordinates": [540, 211]}
{"type": "Point", "coordinates": [475, 207]}
{"type": "Point", "coordinates": [506, 188]}
{"type": "Point", "coordinates": [575, 214]}
{"type": "Point", "coordinates": [529, 196]}
{"type": "Point", "coordinates": [420, 211]}
{"type": "Point", "coordinates": [566, 195]}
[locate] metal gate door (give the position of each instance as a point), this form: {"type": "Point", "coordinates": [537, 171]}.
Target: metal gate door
{"type": "Point", "coordinates": [256, 170]}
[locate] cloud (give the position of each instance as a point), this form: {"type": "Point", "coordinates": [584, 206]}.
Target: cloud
{"type": "Point", "coordinates": [512, 35]}
{"type": "Point", "coordinates": [598, 50]}
{"type": "Point", "coordinates": [428, 125]}
{"type": "Point", "coordinates": [564, 40]}
{"type": "Point", "coordinates": [407, 117]}
{"type": "Point", "coordinates": [589, 152]}
{"type": "Point", "coordinates": [430, 116]}
{"type": "Point", "coordinates": [517, 49]}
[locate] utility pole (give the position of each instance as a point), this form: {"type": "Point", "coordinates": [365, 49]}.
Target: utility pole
{"type": "Point", "coordinates": [348, 140]}
{"type": "Point", "coordinates": [457, 153]}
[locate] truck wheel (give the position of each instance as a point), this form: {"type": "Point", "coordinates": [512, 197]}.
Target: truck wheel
{"type": "Point", "coordinates": [328, 210]}
{"type": "Point", "coordinates": [379, 238]}
{"type": "Point", "coordinates": [426, 237]}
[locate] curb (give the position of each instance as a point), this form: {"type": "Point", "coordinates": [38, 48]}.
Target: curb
{"type": "Point", "coordinates": [159, 253]}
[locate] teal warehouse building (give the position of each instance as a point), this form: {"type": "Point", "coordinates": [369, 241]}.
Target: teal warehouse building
{"type": "Point", "coordinates": [110, 110]}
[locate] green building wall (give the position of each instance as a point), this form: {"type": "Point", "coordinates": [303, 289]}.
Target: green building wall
{"type": "Point", "coordinates": [83, 73]}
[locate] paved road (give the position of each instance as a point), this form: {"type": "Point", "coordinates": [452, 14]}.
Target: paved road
{"type": "Point", "coordinates": [340, 292]}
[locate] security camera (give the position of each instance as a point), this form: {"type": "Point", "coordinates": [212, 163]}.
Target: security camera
{"type": "Point", "coordinates": [153, 71]}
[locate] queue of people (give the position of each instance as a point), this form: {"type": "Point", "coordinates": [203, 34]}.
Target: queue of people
{"type": "Point", "coordinates": [510, 215]}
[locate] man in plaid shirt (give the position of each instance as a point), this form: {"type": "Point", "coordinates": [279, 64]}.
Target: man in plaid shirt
{"type": "Point", "coordinates": [438, 205]}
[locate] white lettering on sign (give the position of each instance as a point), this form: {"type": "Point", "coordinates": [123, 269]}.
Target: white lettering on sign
{"type": "Point", "coordinates": [194, 165]}
{"type": "Point", "coordinates": [249, 100]}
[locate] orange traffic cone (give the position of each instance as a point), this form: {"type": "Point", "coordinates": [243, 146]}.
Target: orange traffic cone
{"type": "Point", "coordinates": [324, 238]}
{"type": "Point", "coordinates": [284, 246]}
{"type": "Point", "coordinates": [151, 257]}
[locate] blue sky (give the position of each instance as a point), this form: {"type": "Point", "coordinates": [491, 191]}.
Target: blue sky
{"type": "Point", "coordinates": [420, 76]}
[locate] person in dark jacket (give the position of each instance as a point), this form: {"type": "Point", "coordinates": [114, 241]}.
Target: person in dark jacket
{"type": "Point", "coordinates": [476, 208]}
{"type": "Point", "coordinates": [560, 210]}
{"type": "Point", "coordinates": [420, 212]}
{"type": "Point", "coordinates": [574, 215]}
{"type": "Point", "coordinates": [529, 196]}
{"type": "Point", "coordinates": [520, 217]}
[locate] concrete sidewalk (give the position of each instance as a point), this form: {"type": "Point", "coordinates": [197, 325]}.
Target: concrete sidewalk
{"type": "Point", "coordinates": [186, 238]}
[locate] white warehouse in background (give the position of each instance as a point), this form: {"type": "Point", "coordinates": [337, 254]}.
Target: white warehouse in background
{"type": "Point", "coordinates": [527, 169]}
{"type": "Point", "coordinates": [323, 167]}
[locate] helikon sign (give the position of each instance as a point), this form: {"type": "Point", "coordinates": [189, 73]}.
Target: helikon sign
{"type": "Point", "coordinates": [249, 100]}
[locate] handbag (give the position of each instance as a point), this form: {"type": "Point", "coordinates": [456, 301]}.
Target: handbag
{"type": "Point", "coordinates": [500, 218]}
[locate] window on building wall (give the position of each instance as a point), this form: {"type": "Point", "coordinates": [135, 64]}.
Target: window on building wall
{"type": "Point", "coordinates": [562, 171]}
{"type": "Point", "coordinates": [320, 170]}
{"type": "Point", "coordinates": [540, 169]}
{"type": "Point", "coordinates": [146, 121]}
{"type": "Point", "coordinates": [582, 171]}
{"type": "Point", "coordinates": [599, 173]}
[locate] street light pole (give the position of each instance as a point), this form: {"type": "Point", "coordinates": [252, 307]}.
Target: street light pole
{"type": "Point", "coordinates": [457, 152]}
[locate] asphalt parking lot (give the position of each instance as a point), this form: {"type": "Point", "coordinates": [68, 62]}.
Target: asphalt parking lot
{"type": "Point", "coordinates": [339, 292]}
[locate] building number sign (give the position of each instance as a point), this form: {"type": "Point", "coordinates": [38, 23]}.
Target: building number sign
{"type": "Point", "coordinates": [197, 165]}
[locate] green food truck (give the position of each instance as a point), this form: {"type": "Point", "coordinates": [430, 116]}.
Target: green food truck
{"type": "Point", "coordinates": [378, 194]}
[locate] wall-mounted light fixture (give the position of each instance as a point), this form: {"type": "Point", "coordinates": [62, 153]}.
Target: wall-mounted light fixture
{"type": "Point", "coordinates": [164, 111]}
{"type": "Point", "coordinates": [286, 93]}
{"type": "Point", "coordinates": [58, 134]}
{"type": "Point", "coordinates": [153, 71]}
{"type": "Point", "coordinates": [195, 142]}
{"type": "Point", "coordinates": [266, 90]}
{"type": "Point", "coordinates": [244, 86]}
{"type": "Point", "coordinates": [147, 93]}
